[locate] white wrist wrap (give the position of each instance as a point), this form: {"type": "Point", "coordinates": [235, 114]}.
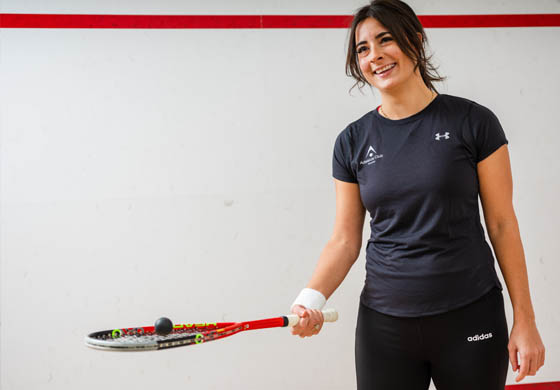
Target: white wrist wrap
{"type": "Point", "coordinates": [310, 299]}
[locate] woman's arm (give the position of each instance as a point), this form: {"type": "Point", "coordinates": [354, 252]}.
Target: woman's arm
{"type": "Point", "coordinates": [496, 190]}
{"type": "Point", "coordinates": [338, 255]}
{"type": "Point", "coordinates": [343, 248]}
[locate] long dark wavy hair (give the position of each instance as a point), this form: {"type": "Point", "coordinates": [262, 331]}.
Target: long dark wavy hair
{"type": "Point", "coordinates": [403, 24]}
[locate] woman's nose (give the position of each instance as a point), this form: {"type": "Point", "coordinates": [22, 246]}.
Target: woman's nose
{"type": "Point", "coordinates": [375, 54]}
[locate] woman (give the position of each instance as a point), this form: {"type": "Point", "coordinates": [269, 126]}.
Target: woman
{"type": "Point", "coordinates": [432, 306]}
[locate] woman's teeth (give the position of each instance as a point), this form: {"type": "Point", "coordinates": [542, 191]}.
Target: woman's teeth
{"type": "Point", "coordinates": [384, 69]}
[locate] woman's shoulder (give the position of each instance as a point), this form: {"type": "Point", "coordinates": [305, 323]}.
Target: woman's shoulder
{"type": "Point", "coordinates": [464, 105]}
{"type": "Point", "coordinates": [358, 127]}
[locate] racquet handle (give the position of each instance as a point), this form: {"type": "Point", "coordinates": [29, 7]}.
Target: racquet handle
{"type": "Point", "coordinates": [329, 315]}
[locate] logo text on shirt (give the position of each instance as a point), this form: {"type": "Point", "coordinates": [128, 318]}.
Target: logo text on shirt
{"type": "Point", "coordinates": [371, 156]}
{"type": "Point", "coordinates": [445, 136]}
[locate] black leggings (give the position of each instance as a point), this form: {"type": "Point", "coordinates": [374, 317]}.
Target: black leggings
{"type": "Point", "coordinates": [464, 348]}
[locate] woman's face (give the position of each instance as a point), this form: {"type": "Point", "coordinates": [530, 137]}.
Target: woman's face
{"type": "Point", "coordinates": [376, 48]}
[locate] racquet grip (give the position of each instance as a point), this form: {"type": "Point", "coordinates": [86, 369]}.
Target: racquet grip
{"type": "Point", "coordinates": [329, 315]}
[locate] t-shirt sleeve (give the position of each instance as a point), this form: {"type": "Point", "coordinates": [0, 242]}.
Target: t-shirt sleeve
{"type": "Point", "coordinates": [487, 132]}
{"type": "Point", "coordinates": [342, 158]}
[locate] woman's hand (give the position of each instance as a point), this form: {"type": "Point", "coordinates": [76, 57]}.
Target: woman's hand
{"type": "Point", "coordinates": [525, 341]}
{"type": "Point", "coordinates": [310, 321]}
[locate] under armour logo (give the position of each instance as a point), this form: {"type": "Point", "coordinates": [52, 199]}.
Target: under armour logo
{"type": "Point", "coordinates": [445, 136]}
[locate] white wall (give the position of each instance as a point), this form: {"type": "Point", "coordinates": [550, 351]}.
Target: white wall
{"type": "Point", "coordinates": [187, 173]}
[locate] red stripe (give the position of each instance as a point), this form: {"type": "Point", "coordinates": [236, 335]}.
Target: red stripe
{"type": "Point", "coordinates": [510, 20]}
{"type": "Point", "coordinates": [536, 386]}
{"type": "Point", "coordinates": [260, 21]}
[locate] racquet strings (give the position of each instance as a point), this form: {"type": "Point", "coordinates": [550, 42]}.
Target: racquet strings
{"type": "Point", "coordinates": [133, 336]}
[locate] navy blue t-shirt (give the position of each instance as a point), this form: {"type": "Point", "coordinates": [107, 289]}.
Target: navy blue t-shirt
{"type": "Point", "coordinates": [418, 179]}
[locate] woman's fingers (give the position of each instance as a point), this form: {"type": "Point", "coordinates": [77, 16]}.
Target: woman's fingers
{"type": "Point", "coordinates": [513, 358]}
{"type": "Point", "coordinates": [316, 321]}
{"type": "Point", "coordinates": [299, 328]}
{"type": "Point", "coordinates": [309, 324]}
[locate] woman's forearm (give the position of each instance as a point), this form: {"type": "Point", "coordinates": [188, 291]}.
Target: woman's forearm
{"type": "Point", "coordinates": [506, 241]}
{"type": "Point", "coordinates": [335, 261]}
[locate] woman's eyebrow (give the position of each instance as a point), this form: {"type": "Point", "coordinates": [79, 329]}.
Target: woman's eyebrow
{"type": "Point", "coordinates": [376, 37]}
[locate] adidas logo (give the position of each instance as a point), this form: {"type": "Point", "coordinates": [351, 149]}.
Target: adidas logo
{"type": "Point", "coordinates": [480, 337]}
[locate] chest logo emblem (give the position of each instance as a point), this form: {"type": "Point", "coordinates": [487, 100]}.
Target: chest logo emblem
{"type": "Point", "coordinates": [371, 156]}
{"type": "Point", "coordinates": [444, 136]}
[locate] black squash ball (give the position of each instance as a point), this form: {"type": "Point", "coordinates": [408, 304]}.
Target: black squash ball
{"type": "Point", "coordinates": [163, 326]}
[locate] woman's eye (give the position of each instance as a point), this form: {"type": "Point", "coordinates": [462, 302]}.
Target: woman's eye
{"type": "Point", "coordinates": [361, 49]}
{"type": "Point", "coordinates": [385, 39]}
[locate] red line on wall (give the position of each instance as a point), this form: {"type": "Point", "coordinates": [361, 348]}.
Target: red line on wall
{"type": "Point", "coordinates": [536, 386]}
{"type": "Point", "coordinates": [259, 21]}
{"type": "Point", "coordinates": [509, 20]}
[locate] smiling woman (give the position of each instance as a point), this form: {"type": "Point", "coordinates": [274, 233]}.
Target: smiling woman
{"type": "Point", "coordinates": [432, 305]}
{"type": "Point", "coordinates": [395, 27]}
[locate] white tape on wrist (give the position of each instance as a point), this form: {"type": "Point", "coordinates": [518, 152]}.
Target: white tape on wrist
{"type": "Point", "coordinates": [310, 299]}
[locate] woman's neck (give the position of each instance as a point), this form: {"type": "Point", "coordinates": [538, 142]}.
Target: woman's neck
{"type": "Point", "coordinates": [407, 101]}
